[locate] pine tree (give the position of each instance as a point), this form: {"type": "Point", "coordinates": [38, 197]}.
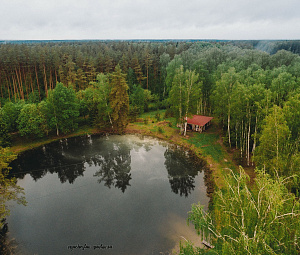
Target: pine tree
{"type": "Point", "coordinates": [119, 99]}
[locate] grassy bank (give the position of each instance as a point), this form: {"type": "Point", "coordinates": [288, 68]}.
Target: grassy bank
{"type": "Point", "coordinates": [21, 144]}
{"type": "Point", "coordinates": [207, 145]}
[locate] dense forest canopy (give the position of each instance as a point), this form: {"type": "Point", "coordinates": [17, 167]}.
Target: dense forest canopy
{"type": "Point", "coordinates": [250, 92]}
{"type": "Point", "coordinates": [251, 88]}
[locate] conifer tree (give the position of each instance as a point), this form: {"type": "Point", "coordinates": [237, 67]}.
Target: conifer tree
{"type": "Point", "coordinates": [119, 99]}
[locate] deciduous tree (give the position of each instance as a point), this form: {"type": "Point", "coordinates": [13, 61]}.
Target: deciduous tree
{"type": "Point", "coordinates": [63, 109]}
{"type": "Point", "coordinates": [263, 221]}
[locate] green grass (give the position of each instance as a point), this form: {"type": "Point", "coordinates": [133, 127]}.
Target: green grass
{"type": "Point", "coordinates": [151, 115]}
{"type": "Point", "coordinates": [208, 143]}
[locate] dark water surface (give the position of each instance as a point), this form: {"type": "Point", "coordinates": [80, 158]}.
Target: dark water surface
{"type": "Point", "coordinates": [115, 194]}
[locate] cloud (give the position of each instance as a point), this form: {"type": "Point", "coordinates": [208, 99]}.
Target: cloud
{"type": "Point", "coordinates": [134, 19]}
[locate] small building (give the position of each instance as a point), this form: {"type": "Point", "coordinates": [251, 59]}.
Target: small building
{"type": "Point", "coordinates": [198, 123]}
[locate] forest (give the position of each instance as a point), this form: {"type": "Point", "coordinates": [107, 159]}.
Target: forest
{"type": "Point", "coordinates": [252, 89]}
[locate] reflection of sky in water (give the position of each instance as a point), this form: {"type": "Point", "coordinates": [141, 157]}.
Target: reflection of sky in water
{"type": "Point", "coordinates": [139, 214]}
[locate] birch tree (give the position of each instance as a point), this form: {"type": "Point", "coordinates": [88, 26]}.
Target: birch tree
{"type": "Point", "coordinates": [263, 220]}
{"type": "Point", "coordinates": [191, 86]}
{"type": "Point", "coordinates": [177, 95]}
{"type": "Point", "coordinates": [223, 97]}
{"type": "Point", "coordinates": [273, 141]}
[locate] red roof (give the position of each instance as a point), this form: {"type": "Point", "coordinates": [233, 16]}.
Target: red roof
{"type": "Point", "coordinates": [199, 120]}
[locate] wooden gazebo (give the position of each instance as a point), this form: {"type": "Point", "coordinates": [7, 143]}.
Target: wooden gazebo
{"type": "Point", "coordinates": [198, 123]}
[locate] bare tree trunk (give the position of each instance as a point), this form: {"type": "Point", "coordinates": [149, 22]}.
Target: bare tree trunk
{"type": "Point", "coordinates": [190, 85]}
{"type": "Point", "coordinates": [14, 84]}
{"type": "Point", "coordinates": [185, 125]}
{"type": "Point", "coordinates": [55, 76]}
{"type": "Point", "coordinates": [37, 81]}
{"type": "Point", "coordinates": [50, 79]}
{"type": "Point", "coordinates": [31, 84]}
{"type": "Point", "coordinates": [241, 139]}
{"type": "Point", "coordinates": [180, 107]}
{"type": "Point", "coordinates": [21, 83]}
{"type": "Point", "coordinates": [228, 126]}
{"type": "Point", "coordinates": [45, 81]}
{"type": "Point", "coordinates": [254, 142]}
{"type": "Point", "coordinates": [236, 135]}
{"type": "Point", "coordinates": [9, 89]}
{"type": "Point", "coordinates": [1, 87]}
{"type": "Point", "coordinates": [18, 81]}
{"type": "Point", "coordinates": [147, 76]}
{"type": "Point", "coordinates": [248, 145]}
{"type": "Point", "coordinates": [277, 140]}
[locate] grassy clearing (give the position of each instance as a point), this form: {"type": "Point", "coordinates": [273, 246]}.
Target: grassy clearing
{"type": "Point", "coordinates": [207, 144]}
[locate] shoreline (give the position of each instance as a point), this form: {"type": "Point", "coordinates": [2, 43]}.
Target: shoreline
{"type": "Point", "coordinates": [169, 134]}
{"type": "Point", "coordinates": [213, 171]}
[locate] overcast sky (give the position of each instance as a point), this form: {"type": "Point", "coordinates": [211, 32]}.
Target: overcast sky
{"type": "Point", "coordinates": [149, 19]}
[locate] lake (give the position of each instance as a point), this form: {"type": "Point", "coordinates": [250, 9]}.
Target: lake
{"type": "Point", "coordinates": [106, 194]}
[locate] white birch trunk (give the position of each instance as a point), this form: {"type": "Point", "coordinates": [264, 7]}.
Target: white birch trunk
{"type": "Point", "coordinates": [254, 142]}
{"type": "Point", "coordinates": [248, 145]}
{"type": "Point", "coordinates": [228, 126]}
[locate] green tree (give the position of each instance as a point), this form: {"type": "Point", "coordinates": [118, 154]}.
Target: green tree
{"type": "Point", "coordinates": [263, 221]}
{"type": "Point", "coordinates": [193, 93]}
{"type": "Point", "coordinates": [10, 113]}
{"type": "Point", "coordinates": [104, 110]}
{"type": "Point", "coordinates": [282, 86]}
{"type": "Point", "coordinates": [271, 152]}
{"type": "Point", "coordinates": [177, 94]}
{"type": "Point", "coordinates": [164, 61]}
{"type": "Point", "coordinates": [137, 99]}
{"type": "Point", "coordinates": [291, 111]}
{"type": "Point", "coordinates": [63, 109]}
{"type": "Point", "coordinates": [5, 137]}
{"type": "Point", "coordinates": [223, 97]}
{"type": "Point", "coordinates": [119, 99]}
{"type": "Point", "coordinates": [30, 121]}
{"type": "Point", "coordinates": [171, 68]}
{"type": "Point", "coordinates": [185, 94]}
{"type": "Point", "coordinates": [9, 190]}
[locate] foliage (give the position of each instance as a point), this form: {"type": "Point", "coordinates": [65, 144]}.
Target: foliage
{"type": "Point", "coordinates": [253, 95]}
{"type": "Point", "coordinates": [10, 113]}
{"type": "Point", "coordinates": [185, 93]}
{"type": "Point", "coordinates": [263, 221]}
{"type": "Point", "coordinates": [275, 133]}
{"type": "Point", "coordinates": [137, 98]}
{"type": "Point", "coordinates": [30, 121]}
{"type": "Point", "coordinates": [5, 137]}
{"type": "Point", "coordinates": [9, 190]}
{"type": "Point", "coordinates": [119, 100]}
{"type": "Point", "coordinates": [63, 109]}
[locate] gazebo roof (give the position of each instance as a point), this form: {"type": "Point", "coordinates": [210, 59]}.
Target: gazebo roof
{"type": "Point", "coordinates": [199, 120]}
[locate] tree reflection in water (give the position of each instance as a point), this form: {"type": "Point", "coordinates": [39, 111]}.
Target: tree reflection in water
{"type": "Point", "coordinates": [65, 158]}
{"type": "Point", "coordinates": [114, 165]}
{"type": "Point", "coordinates": [182, 169]}
{"type": "Point", "coordinates": [53, 158]}
{"type": "Point", "coordinates": [68, 157]}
